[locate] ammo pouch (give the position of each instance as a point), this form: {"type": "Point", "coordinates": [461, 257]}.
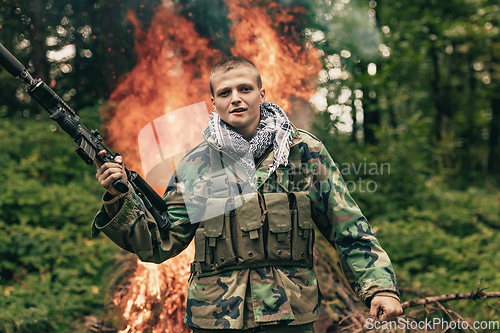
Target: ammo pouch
{"type": "Point", "coordinates": [274, 229]}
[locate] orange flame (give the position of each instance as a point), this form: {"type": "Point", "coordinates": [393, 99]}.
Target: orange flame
{"type": "Point", "coordinates": [172, 71]}
{"type": "Point", "coordinates": [287, 68]}
{"type": "Point", "coordinates": [156, 296]}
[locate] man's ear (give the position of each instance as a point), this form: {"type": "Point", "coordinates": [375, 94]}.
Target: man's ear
{"type": "Point", "coordinates": [213, 102]}
{"type": "Point", "coordinates": [262, 95]}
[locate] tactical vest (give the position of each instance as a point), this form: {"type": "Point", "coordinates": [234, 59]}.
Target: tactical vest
{"type": "Point", "coordinates": [273, 229]}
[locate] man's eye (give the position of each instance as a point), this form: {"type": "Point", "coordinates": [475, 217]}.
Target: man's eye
{"type": "Point", "coordinates": [245, 89]}
{"type": "Point", "coordinates": [224, 93]}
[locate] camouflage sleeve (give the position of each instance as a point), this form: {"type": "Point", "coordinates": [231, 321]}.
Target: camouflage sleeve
{"type": "Point", "coordinates": [134, 229]}
{"type": "Point", "coordinates": [365, 264]}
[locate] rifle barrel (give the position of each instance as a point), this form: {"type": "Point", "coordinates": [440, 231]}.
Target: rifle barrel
{"type": "Point", "coordinates": [10, 63]}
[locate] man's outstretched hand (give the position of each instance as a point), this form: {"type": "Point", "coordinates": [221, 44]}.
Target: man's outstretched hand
{"type": "Point", "coordinates": [385, 308]}
{"type": "Point", "coordinates": [108, 172]}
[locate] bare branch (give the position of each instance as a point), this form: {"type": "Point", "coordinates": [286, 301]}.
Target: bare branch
{"type": "Point", "coordinates": [443, 298]}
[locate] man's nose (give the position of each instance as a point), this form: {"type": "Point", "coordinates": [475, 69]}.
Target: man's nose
{"type": "Point", "coordinates": [235, 97]}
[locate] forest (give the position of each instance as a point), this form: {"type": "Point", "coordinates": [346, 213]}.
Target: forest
{"type": "Point", "coordinates": [404, 94]}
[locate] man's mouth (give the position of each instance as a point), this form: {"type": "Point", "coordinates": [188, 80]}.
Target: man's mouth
{"type": "Point", "coordinates": [238, 110]}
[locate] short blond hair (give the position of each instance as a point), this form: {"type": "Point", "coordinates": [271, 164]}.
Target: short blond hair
{"type": "Point", "coordinates": [227, 64]}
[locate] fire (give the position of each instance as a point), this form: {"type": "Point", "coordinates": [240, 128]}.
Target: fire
{"type": "Point", "coordinates": [287, 67]}
{"type": "Point", "coordinates": [172, 72]}
{"type": "Point", "coordinates": [155, 298]}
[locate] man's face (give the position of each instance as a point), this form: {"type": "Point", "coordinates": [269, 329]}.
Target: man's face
{"type": "Point", "coordinates": [237, 99]}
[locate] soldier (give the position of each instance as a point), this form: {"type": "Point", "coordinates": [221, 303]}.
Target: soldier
{"type": "Point", "coordinates": [253, 185]}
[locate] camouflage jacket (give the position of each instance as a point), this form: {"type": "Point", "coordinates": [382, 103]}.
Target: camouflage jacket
{"type": "Point", "coordinates": [246, 298]}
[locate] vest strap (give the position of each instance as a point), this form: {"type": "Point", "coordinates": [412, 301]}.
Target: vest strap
{"type": "Point", "coordinates": [199, 245]}
{"type": "Point", "coordinates": [254, 234]}
{"type": "Point", "coordinates": [218, 176]}
{"type": "Point", "coordinates": [195, 267]}
{"type": "Point", "coordinates": [296, 175]}
{"type": "Point", "coordinates": [304, 212]}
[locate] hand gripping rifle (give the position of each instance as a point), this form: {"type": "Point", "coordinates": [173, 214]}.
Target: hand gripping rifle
{"type": "Point", "coordinates": [89, 143]}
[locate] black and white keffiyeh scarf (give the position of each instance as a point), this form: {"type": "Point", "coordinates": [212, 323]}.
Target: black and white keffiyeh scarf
{"type": "Point", "coordinates": [274, 128]}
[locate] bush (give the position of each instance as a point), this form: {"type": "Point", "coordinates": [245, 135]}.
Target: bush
{"type": "Point", "coordinates": [51, 271]}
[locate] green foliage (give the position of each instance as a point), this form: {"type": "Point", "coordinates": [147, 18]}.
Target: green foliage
{"type": "Point", "coordinates": [51, 271]}
{"type": "Point", "coordinates": [395, 169]}
{"type": "Point", "coordinates": [41, 180]}
{"type": "Point", "coordinates": [50, 277]}
{"type": "Point", "coordinates": [432, 232]}
{"type": "Point", "coordinates": [443, 246]}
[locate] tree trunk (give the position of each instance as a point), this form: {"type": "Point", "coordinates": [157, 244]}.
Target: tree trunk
{"type": "Point", "coordinates": [37, 43]}
{"type": "Point", "coordinates": [354, 137]}
{"type": "Point", "coordinates": [437, 95]}
{"type": "Point", "coordinates": [37, 40]}
{"type": "Point", "coordinates": [371, 119]}
{"type": "Point", "coordinates": [112, 52]}
{"type": "Point", "coordinates": [494, 152]}
{"type": "Point", "coordinates": [392, 117]}
{"type": "Point", "coordinates": [469, 163]}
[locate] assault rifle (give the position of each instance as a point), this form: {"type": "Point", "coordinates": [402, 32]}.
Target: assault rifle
{"type": "Point", "coordinates": [89, 143]}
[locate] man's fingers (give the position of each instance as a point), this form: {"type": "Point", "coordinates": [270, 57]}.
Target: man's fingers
{"type": "Point", "coordinates": [109, 169]}
{"type": "Point", "coordinates": [373, 313]}
{"type": "Point", "coordinates": [111, 178]}
{"type": "Point", "coordinates": [112, 170]}
{"type": "Point", "coordinates": [101, 154]}
{"type": "Point", "coordinates": [377, 313]}
{"type": "Point", "coordinates": [383, 315]}
{"type": "Point", "coordinates": [109, 172]}
{"type": "Point", "coordinates": [385, 308]}
{"type": "Point", "coordinates": [108, 178]}
{"type": "Point", "coordinates": [119, 159]}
